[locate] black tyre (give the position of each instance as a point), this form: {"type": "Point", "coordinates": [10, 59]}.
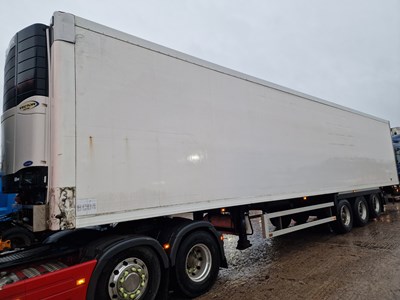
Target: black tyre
{"type": "Point", "coordinates": [19, 237]}
{"type": "Point", "coordinates": [132, 274]}
{"type": "Point", "coordinates": [360, 211]}
{"type": "Point", "coordinates": [322, 214]}
{"type": "Point", "coordinates": [375, 206]}
{"type": "Point", "coordinates": [285, 222]}
{"type": "Point", "coordinates": [300, 218]}
{"type": "Point", "coordinates": [344, 217]}
{"type": "Point", "coordinates": [197, 264]}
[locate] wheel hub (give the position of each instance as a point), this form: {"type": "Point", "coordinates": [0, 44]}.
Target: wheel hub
{"type": "Point", "coordinates": [345, 215]}
{"type": "Point", "coordinates": [376, 204]}
{"type": "Point", "coordinates": [362, 210]}
{"type": "Point", "coordinates": [198, 262]}
{"type": "Point", "coordinates": [128, 280]}
{"type": "Point", "coordinates": [132, 282]}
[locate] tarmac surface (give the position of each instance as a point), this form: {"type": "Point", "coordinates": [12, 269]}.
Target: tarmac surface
{"type": "Point", "coordinates": [316, 264]}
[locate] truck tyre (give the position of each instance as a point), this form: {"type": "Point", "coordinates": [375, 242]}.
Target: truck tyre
{"type": "Point", "coordinates": [360, 211]}
{"type": "Point", "coordinates": [197, 264]}
{"type": "Point", "coordinates": [131, 274]}
{"type": "Point", "coordinates": [344, 217]}
{"type": "Point", "coordinates": [285, 222]}
{"type": "Point", "coordinates": [300, 218]}
{"type": "Point", "coordinates": [19, 237]}
{"type": "Point", "coordinates": [375, 206]}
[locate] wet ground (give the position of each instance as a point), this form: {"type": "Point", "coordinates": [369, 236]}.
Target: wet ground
{"type": "Point", "coordinates": [316, 264]}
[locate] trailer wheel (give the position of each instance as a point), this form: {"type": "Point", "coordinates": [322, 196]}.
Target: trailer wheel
{"type": "Point", "coordinates": [197, 264]}
{"type": "Point", "coordinates": [360, 211]}
{"type": "Point", "coordinates": [286, 220]}
{"type": "Point", "coordinates": [19, 237]}
{"type": "Point", "coordinates": [375, 206]}
{"type": "Point", "coordinates": [300, 218]}
{"type": "Point", "coordinates": [131, 274]}
{"type": "Point", "coordinates": [344, 217]}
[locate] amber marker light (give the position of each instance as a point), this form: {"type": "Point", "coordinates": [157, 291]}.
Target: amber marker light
{"type": "Point", "coordinates": [221, 237]}
{"type": "Point", "coordinates": [222, 210]}
{"type": "Point", "coordinates": [166, 246]}
{"type": "Point", "coordinates": [304, 198]}
{"type": "Point", "coordinates": [80, 281]}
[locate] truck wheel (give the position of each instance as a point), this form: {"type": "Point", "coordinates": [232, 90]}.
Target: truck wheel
{"type": "Point", "coordinates": [344, 217]}
{"type": "Point", "coordinates": [360, 211]}
{"type": "Point", "coordinates": [19, 237]}
{"type": "Point", "coordinates": [300, 218]}
{"type": "Point", "coordinates": [375, 206]}
{"type": "Point", "coordinates": [285, 222]}
{"type": "Point", "coordinates": [197, 264]}
{"type": "Point", "coordinates": [131, 274]}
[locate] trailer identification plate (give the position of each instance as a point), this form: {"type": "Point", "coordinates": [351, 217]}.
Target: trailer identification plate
{"type": "Point", "coordinates": [86, 207]}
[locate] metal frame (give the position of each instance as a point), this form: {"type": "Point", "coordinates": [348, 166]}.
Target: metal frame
{"type": "Point", "coordinates": [267, 216]}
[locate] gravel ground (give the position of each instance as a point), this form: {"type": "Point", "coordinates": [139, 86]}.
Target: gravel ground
{"type": "Point", "coordinates": [316, 264]}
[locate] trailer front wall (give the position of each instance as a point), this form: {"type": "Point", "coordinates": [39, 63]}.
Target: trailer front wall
{"type": "Point", "coordinates": [157, 135]}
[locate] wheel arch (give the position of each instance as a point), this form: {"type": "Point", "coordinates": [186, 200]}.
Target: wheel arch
{"type": "Point", "coordinates": [351, 196]}
{"type": "Point", "coordinates": [113, 245]}
{"type": "Point", "coordinates": [177, 234]}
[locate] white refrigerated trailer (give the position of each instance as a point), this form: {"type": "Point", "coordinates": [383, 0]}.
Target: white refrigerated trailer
{"type": "Point", "coordinates": [106, 137]}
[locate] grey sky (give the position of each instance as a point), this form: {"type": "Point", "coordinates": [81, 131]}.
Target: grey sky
{"type": "Point", "coordinates": [344, 51]}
